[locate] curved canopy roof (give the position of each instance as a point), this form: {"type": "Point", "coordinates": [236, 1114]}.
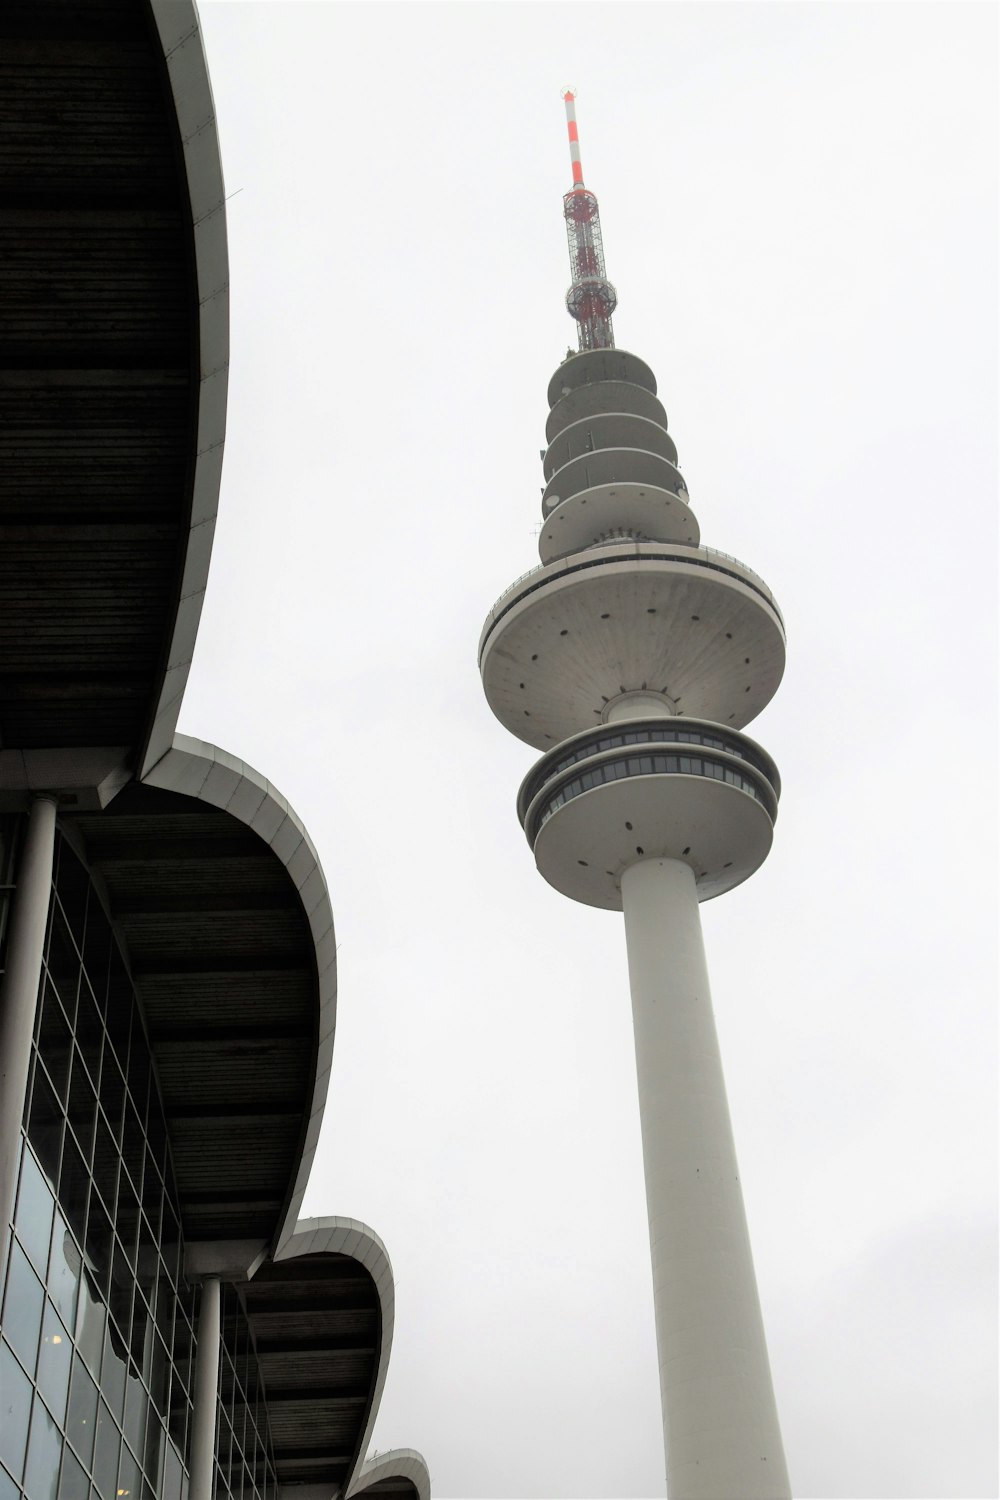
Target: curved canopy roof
{"type": "Point", "coordinates": [114, 326]}
{"type": "Point", "coordinates": [218, 896]}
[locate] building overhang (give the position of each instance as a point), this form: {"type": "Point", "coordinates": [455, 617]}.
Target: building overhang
{"type": "Point", "coordinates": [114, 290]}
{"type": "Point", "coordinates": [221, 906]}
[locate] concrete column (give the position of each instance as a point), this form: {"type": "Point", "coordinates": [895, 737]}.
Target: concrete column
{"type": "Point", "coordinates": [19, 991]}
{"type": "Point", "coordinates": [206, 1391]}
{"type": "Point", "coordinates": [720, 1425]}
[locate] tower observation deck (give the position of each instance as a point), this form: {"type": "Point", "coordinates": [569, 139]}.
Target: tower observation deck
{"type": "Point", "coordinates": [633, 657]}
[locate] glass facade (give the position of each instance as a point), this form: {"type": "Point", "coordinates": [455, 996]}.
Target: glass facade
{"type": "Point", "coordinates": [97, 1348]}
{"type": "Point", "coordinates": [244, 1465]}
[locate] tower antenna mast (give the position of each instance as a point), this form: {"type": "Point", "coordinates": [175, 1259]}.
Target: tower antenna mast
{"type": "Point", "coordinates": [591, 299]}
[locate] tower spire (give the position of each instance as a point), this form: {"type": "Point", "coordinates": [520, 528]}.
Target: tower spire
{"type": "Point", "coordinates": [591, 299]}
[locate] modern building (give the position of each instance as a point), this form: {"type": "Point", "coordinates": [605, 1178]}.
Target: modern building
{"type": "Point", "coordinates": [633, 656]}
{"type": "Point", "coordinates": [171, 1329]}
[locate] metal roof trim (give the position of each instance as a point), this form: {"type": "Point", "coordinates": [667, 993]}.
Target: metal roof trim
{"type": "Point", "coordinates": [396, 1463]}
{"type": "Point", "coordinates": [200, 770]}
{"type": "Point", "coordinates": [178, 28]}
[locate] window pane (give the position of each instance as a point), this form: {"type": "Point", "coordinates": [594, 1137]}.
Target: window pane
{"type": "Point", "coordinates": [159, 1370]}
{"type": "Point", "coordinates": [128, 1476]}
{"type": "Point", "coordinates": [82, 1417]}
{"type": "Point", "coordinates": [171, 1475]}
{"type": "Point", "coordinates": [156, 1442]}
{"type": "Point", "coordinates": [97, 951]}
{"type": "Point", "coordinates": [74, 1183]}
{"type": "Point", "coordinates": [137, 1074]}
{"type": "Point", "coordinates": [89, 1033]}
{"type": "Point", "coordinates": [90, 1320]}
{"type": "Point", "coordinates": [106, 1452]}
{"type": "Point", "coordinates": [120, 1005]}
{"type": "Point", "coordinates": [44, 1446]}
{"type": "Point", "coordinates": [136, 1407]}
{"type": "Point", "coordinates": [133, 1146]}
{"type": "Point", "coordinates": [113, 1373]}
{"type": "Point", "coordinates": [45, 1125]}
{"type": "Point", "coordinates": [54, 1358]}
{"type": "Point", "coordinates": [64, 1271]}
{"type": "Point", "coordinates": [73, 1482]}
{"type": "Point", "coordinates": [82, 1103]}
{"type": "Point", "coordinates": [73, 887]}
{"type": "Point", "coordinates": [63, 964]}
{"type": "Point", "coordinates": [105, 1165]}
{"type": "Point", "coordinates": [55, 1040]}
{"type": "Point", "coordinates": [112, 1093]}
{"type": "Point", "coordinates": [120, 1297]}
{"type": "Point", "coordinates": [15, 1407]}
{"type": "Point", "coordinates": [33, 1218]}
{"type": "Point", "coordinates": [22, 1313]}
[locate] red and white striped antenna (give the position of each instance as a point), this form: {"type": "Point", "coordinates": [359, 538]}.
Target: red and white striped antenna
{"type": "Point", "coordinates": [569, 99]}
{"type": "Point", "coordinates": [591, 299]}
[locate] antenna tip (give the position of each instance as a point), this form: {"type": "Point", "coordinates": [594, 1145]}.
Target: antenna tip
{"type": "Point", "coordinates": [568, 94]}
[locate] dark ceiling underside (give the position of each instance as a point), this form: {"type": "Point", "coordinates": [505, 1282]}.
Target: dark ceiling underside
{"type": "Point", "coordinates": [317, 1327]}
{"type": "Point", "coordinates": [224, 965]}
{"type": "Point", "coordinates": [98, 308]}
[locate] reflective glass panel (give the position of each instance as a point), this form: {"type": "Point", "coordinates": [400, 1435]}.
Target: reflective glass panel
{"type": "Point", "coordinates": [63, 964]}
{"type": "Point", "coordinates": [55, 1355]}
{"type": "Point", "coordinates": [45, 1122]}
{"type": "Point", "coordinates": [73, 1482]}
{"type": "Point", "coordinates": [106, 1453]}
{"type": "Point", "coordinates": [128, 1475]}
{"type": "Point", "coordinates": [81, 1420]}
{"type": "Point", "coordinates": [22, 1310]}
{"type": "Point", "coordinates": [15, 1409]}
{"type": "Point", "coordinates": [64, 1270]}
{"type": "Point", "coordinates": [33, 1218]}
{"type": "Point", "coordinates": [55, 1040]}
{"type": "Point", "coordinates": [42, 1467]}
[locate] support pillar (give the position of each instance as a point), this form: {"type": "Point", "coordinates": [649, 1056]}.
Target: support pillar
{"type": "Point", "coordinates": [19, 990]}
{"type": "Point", "coordinates": [720, 1424]}
{"type": "Point", "coordinates": [206, 1391]}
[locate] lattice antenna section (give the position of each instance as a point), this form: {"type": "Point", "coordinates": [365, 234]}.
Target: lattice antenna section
{"type": "Point", "coordinates": [591, 299]}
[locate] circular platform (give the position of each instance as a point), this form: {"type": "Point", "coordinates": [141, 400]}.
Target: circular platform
{"type": "Point", "coordinates": [687, 622]}
{"type": "Point", "coordinates": [611, 466]}
{"type": "Point", "coordinates": [599, 364]}
{"type": "Point", "coordinates": [637, 791]}
{"type": "Point", "coordinates": [608, 429]}
{"type": "Point", "coordinates": [604, 396]}
{"type": "Point", "coordinates": [595, 515]}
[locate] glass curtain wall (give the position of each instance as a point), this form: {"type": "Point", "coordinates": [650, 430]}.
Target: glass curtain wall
{"type": "Point", "coordinates": [96, 1359]}
{"type": "Point", "coordinates": [245, 1465]}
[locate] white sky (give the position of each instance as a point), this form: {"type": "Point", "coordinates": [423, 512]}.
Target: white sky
{"type": "Point", "coordinates": [800, 208]}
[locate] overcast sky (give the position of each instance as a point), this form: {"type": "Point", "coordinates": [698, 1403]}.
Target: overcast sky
{"type": "Point", "coordinates": [799, 206]}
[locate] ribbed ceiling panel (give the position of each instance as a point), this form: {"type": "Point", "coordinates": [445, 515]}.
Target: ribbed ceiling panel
{"type": "Point", "coordinates": [98, 357]}
{"type": "Point", "coordinates": [224, 965]}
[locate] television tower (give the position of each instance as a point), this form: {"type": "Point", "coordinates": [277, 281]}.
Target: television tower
{"type": "Point", "coordinates": [633, 657]}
